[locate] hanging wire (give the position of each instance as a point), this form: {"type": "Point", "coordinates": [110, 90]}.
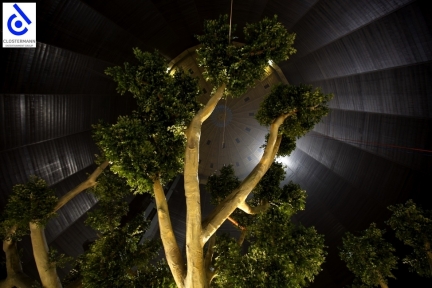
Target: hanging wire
{"type": "Point", "coordinates": [226, 96]}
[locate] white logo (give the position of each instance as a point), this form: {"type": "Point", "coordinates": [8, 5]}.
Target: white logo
{"type": "Point", "coordinates": [19, 25]}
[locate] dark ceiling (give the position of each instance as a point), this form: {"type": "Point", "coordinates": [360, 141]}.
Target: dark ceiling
{"type": "Point", "coordinates": [373, 149]}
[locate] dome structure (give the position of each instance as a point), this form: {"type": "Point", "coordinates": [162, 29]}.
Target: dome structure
{"type": "Point", "coordinates": [374, 149]}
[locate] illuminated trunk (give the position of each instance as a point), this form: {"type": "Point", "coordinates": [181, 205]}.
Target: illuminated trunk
{"type": "Point", "coordinates": [196, 276]}
{"type": "Point", "coordinates": [15, 275]}
{"type": "Point", "coordinates": [172, 251]}
{"type": "Point", "coordinates": [383, 284]}
{"type": "Point", "coordinates": [47, 270]}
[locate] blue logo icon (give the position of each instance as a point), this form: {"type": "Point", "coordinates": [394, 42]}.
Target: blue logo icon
{"type": "Point", "coordinates": [18, 24]}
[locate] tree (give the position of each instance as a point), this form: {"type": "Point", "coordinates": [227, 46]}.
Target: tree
{"type": "Point", "coordinates": [162, 137]}
{"type": "Point", "coordinates": [271, 251]}
{"type": "Point", "coordinates": [369, 257]}
{"type": "Point", "coordinates": [119, 257]}
{"type": "Point", "coordinates": [29, 208]}
{"type": "Point", "coordinates": [413, 226]}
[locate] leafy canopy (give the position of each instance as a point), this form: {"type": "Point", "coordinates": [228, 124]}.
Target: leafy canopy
{"type": "Point", "coordinates": [33, 202]}
{"type": "Point", "coordinates": [150, 143]}
{"type": "Point", "coordinates": [369, 256]}
{"type": "Point", "coordinates": [278, 252]}
{"type": "Point", "coordinates": [238, 65]}
{"type": "Point", "coordinates": [118, 258]}
{"type": "Point", "coordinates": [413, 226]}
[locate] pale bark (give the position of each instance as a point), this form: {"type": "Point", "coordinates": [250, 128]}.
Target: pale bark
{"type": "Point", "coordinates": [90, 182]}
{"type": "Point", "coordinates": [15, 274]}
{"type": "Point", "coordinates": [196, 276]}
{"type": "Point", "coordinates": [245, 207]}
{"type": "Point", "coordinates": [172, 251]}
{"type": "Point", "coordinates": [429, 254]}
{"type": "Point", "coordinates": [381, 281]}
{"type": "Point", "coordinates": [239, 195]}
{"type": "Point", "coordinates": [383, 284]}
{"type": "Point", "coordinates": [47, 271]}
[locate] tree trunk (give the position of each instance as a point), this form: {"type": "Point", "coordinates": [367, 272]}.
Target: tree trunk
{"type": "Point", "coordinates": [15, 275]}
{"type": "Point", "coordinates": [381, 281]}
{"type": "Point", "coordinates": [383, 284]}
{"type": "Point", "coordinates": [196, 276]}
{"type": "Point", "coordinates": [429, 255]}
{"type": "Point", "coordinates": [47, 270]}
{"type": "Point", "coordinates": [172, 251]}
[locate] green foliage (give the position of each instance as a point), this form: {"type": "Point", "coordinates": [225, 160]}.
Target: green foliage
{"type": "Point", "coordinates": [286, 146]}
{"type": "Point", "coordinates": [150, 143]}
{"type": "Point", "coordinates": [222, 185]}
{"type": "Point", "coordinates": [369, 256]}
{"type": "Point", "coordinates": [413, 226]}
{"type": "Point", "coordinates": [111, 191]}
{"type": "Point", "coordinates": [116, 259]}
{"type": "Point", "coordinates": [239, 66]}
{"type": "Point", "coordinates": [280, 254]}
{"type": "Point", "coordinates": [291, 196]}
{"type": "Point", "coordinates": [29, 202]}
{"type": "Point", "coordinates": [305, 106]}
{"type": "Point", "coordinates": [59, 260]}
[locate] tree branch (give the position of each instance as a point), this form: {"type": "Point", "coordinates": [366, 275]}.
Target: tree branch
{"type": "Point", "coordinates": [241, 228]}
{"type": "Point", "coordinates": [239, 195]}
{"type": "Point", "coordinates": [47, 270]}
{"type": "Point", "coordinates": [15, 274]}
{"type": "Point", "coordinates": [194, 247]}
{"type": "Point", "coordinates": [172, 251]}
{"type": "Point", "coordinates": [245, 207]}
{"type": "Point", "coordinates": [90, 182]}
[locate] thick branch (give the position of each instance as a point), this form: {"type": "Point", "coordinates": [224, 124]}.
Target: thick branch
{"type": "Point", "coordinates": [90, 182]}
{"type": "Point", "coordinates": [245, 207]}
{"type": "Point", "coordinates": [172, 251]}
{"type": "Point", "coordinates": [239, 195]}
{"type": "Point", "coordinates": [196, 276]}
{"type": "Point", "coordinates": [47, 270]}
{"type": "Point", "coordinates": [15, 275]}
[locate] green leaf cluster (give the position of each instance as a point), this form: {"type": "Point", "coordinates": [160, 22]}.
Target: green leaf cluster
{"type": "Point", "coordinates": [291, 196]}
{"type": "Point", "coordinates": [150, 143]}
{"type": "Point", "coordinates": [304, 105]}
{"type": "Point", "coordinates": [369, 256]}
{"type": "Point", "coordinates": [413, 226]}
{"type": "Point", "coordinates": [239, 66]}
{"type": "Point", "coordinates": [279, 254]}
{"type": "Point", "coordinates": [33, 202]}
{"type": "Point", "coordinates": [116, 258]}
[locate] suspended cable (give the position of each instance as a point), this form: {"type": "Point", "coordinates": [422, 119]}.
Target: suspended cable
{"type": "Point", "coordinates": [226, 96]}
